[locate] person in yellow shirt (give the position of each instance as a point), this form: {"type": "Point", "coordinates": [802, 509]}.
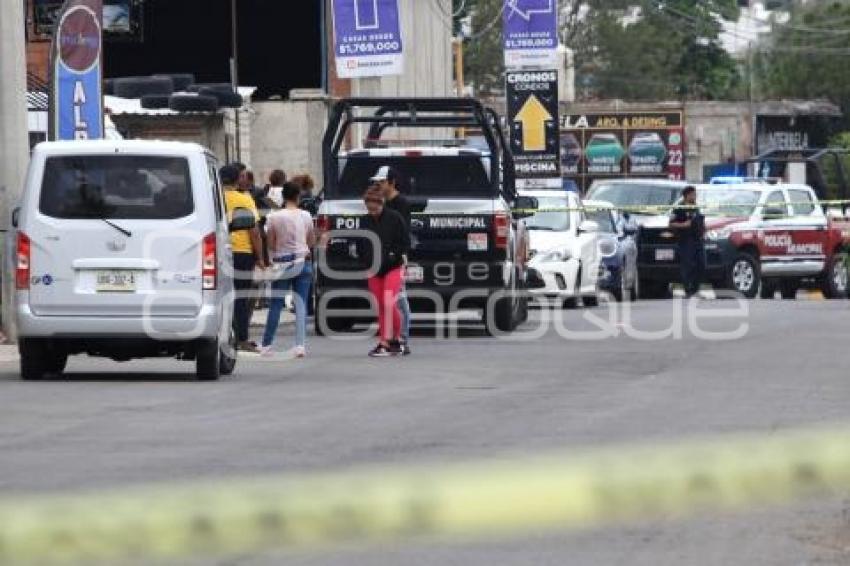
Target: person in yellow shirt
{"type": "Point", "coordinates": [247, 254]}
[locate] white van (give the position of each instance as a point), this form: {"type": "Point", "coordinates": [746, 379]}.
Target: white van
{"type": "Point", "coordinates": [122, 250]}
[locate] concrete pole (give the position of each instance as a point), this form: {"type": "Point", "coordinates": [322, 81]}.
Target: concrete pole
{"type": "Point", "coordinates": [14, 135]}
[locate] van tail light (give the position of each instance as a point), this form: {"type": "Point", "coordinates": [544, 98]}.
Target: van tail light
{"type": "Point", "coordinates": [501, 230]}
{"type": "Point", "coordinates": [209, 262]}
{"type": "Point", "coordinates": [22, 265]}
{"type": "Point", "coordinates": [323, 226]}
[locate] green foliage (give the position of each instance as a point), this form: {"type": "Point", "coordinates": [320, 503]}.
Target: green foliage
{"type": "Point", "coordinates": [806, 57]}
{"type": "Point", "coordinates": [671, 50]}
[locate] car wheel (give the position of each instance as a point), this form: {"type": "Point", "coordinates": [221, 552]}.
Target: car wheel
{"type": "Point", "coordinates": [208, 360]}
{"type": "Point", "coordinates": [744, 275]}
{"type": "Point", "coordinates": [192, 103]}
{"type": "Point", "coordinates": [34, 360]}
{"type": "Point", "coordinates": [590, 301]}
{"type": "Point", "coordinates": [137, 87]}
{"type": "Point", "coordinates": [835, 280]}
{"type": "Point", "coordinates": [768, 289]}
{"type": "Point", "coordinates": [227, 363]}
{"type": "Point", "coordinates": [503, 318]}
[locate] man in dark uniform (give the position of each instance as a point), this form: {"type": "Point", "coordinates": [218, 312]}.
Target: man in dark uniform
{"type": "Point", "coordinates": [386, 179]}
{"type": "Point", "coordinates": [689, 225]}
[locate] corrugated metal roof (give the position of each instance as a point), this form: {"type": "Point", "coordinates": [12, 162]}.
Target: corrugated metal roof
{"type": "Point", "coordinates": [38, 99]}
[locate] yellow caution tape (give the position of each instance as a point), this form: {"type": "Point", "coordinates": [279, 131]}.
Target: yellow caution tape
{"type": "Point", "coordinates": [655, 209]}
{"type": "Point", "coordinates": [577, 490]}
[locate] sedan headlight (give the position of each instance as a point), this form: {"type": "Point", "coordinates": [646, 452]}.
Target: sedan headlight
{"type": "Point", "coordinates": [719, 234]}
{"type": "Point", "coordinates": [555, 256]}
{"type": "Point", "coordinates": [607, 247]}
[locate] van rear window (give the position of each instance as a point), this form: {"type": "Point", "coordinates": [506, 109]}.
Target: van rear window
{"type": "Point", "coordinates": [116, 186]}
{"type": "Point", "coordinates": [429, 176]}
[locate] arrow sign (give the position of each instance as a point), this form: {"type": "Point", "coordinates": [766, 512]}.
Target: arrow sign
{"type": "Point", "coordinates": [533, 117]}
{"type": "Point", "coordinates": [527, 8]}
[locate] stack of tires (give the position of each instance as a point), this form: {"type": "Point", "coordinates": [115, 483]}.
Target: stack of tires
{"type": "Point", "coordinates": [177, 92]}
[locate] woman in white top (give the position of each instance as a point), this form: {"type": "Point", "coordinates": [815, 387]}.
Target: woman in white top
{"type": "Point", "coordinates": [290, 237]}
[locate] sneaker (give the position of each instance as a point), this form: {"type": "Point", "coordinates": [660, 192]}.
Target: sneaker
{"type": "Point", "coordinates": [266, 351]}
{"type": "Point", "coordinates": [299, 352]}
{"type": "Point", "coordinates": [399, 348]}
{"type": "Point", "coordinates": [380, 351]}
{"type": "Point", "coordinates": [248, 347]}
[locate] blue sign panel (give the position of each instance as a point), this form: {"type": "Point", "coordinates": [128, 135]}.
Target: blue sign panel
{"type": "Point", "coordinates": [77, 101]}
{"type": "Point", "coordinates": [531, 33]}
{"type": "Point", "coordinates": [367, 38]}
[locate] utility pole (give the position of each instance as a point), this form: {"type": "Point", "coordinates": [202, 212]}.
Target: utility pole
{"type": "Point", "coordinates": [14, 134]}
{"type": "Point", "coordinates": [234, 71]}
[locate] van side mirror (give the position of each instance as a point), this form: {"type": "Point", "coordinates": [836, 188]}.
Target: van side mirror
{"type": "Point", "coordinates": [242, 219]}
{"type": "Point", "coordinates": [16, 217]}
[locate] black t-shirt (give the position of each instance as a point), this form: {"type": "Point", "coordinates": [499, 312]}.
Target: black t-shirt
{"type": "Point", "coordinates": [695, 232]}
{"type": "Point", "coordinates": [402, 206]}
{"type": "Point", "coordinates": [394, 236]}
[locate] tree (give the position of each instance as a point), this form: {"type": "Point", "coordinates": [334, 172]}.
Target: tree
{"type": "Point", "coordinates": [653, 50]}
{"type": "Point", "coordinates": [806, 57]}
{"type": "Point", "coordinates": [630, 49]}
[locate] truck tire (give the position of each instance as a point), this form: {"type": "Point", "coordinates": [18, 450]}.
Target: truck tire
{"type": "Point", "coordinates": [192, 103]}
{"type": "Point", "coordinates": [744, 275]}
{"type": "Point", "coordinates": [181, 81]}
{"type": "Point", "coordinates": [834, 284]}
{"type": "Point", "coordinates": [155, 101]}
{"type": "Point", "coordinates": [208, 360]}
{"type": "Point", "coordinates": [503, 318]}
{"type": "Point", "coordinates": [137, 87]}
{"type": "Point", "coordinates": [225, 99]}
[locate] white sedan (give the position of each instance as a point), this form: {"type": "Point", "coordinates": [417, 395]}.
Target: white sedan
{"type": "Point", "coordinates": [564, 250]}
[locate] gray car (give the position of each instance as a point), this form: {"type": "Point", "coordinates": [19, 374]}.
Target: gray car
{"type": "Point", "coordinates": [121, 250]}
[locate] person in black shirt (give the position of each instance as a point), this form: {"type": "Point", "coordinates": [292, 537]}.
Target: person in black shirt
{"type": "Point", "coordinates": [386, 256]}
{"type": "Point", "coordinates": [387, 179]}
{"type": "Point", "coordinates": [689, 225]}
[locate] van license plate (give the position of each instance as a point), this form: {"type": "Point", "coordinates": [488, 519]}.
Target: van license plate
{"type": "Point", "coordinates": [665, 255]}
{"type": "Point", "coordinates": [414, 274]}
{"type": "Point", "coordinates": [116, 281]}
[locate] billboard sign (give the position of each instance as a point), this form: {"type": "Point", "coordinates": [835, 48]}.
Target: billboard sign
{"type": "Point", "coordinates": [530, 33]}
{"type": "Point", "coordinates": [533, 118]}
{"type": "Point", "coordinates": [367, 38]}
{"type": "Point", "coordinates": [792, 133]}
{"type": "Point", "coordinates": [76, 102]}
{"type": "Point", "coordinates": [622, 144]}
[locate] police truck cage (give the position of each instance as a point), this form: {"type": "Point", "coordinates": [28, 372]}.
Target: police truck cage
{"type": "Point", "coordinates": [383, 115]}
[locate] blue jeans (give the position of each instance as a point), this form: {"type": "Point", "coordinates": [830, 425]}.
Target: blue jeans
{"type": "Point", "coordinates": [404, 309]}
{"type": "Point", "coordinates": [297, 276]}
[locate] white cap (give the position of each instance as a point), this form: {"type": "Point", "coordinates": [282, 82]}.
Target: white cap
{"type": "Point", "coordinates": [381, 175]}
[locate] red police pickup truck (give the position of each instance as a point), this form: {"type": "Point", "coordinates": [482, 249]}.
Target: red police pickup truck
{"type": "Point", "coordinates": [760, 239]}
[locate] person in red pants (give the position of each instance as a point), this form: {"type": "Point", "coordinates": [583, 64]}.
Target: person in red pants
{"type": "Point", "coordinates": [386, 256]}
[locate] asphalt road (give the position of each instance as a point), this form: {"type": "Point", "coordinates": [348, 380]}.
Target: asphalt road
{"type": "Point", "coordinates": [473, 397]}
